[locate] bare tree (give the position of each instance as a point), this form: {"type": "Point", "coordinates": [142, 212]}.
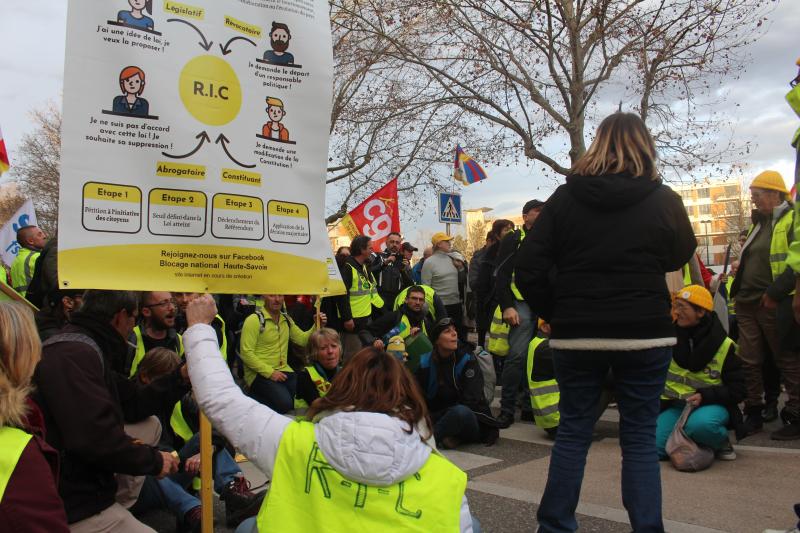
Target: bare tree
{"type": "Point", "coordinates": [531, 72]}
{"type": "Point", "coordinates": [37, 165]}
{"type": "Point", "coordinates": [388, 120]}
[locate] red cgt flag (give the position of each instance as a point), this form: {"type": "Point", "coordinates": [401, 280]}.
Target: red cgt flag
{"type": "Point", "coordinates": [375, 217]}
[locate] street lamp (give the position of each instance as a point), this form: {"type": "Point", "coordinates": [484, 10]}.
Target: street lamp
{"type": "Point", "coordinates": [708, 241]}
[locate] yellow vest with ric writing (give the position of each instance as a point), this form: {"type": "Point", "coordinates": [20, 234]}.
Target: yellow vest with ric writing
{"type": "Point", "coordinates": [307, 494]}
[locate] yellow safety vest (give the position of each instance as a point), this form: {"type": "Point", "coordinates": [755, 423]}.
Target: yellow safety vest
{"type": "Point", "coordinates": [178, 423]}
{"type": "Point", "coordinates": [307, 494]}
{"type": "Point", "coordinates": [681, 383]}
{"type": "Point", "coordinates": [498, 334]}
{"type": "Point", "coordinates": [12, 443]}
{"type": "Point", "coordinates": [731, 300]}
{"type": "Point", "coordinates": [545, 395]}
{"type": "Point", "coordinates": [140, 350]}
{"type": "Point", "coordinates": [514, 288]}
{"type": "Point", "coordinates": [687, 275]}
{"type": "Point", "coordinates": [429, 292]}
{"type": "Point", "coordinates": [322, 385]}
{"type": "Point", "coordinates": [363, 293]}
{"type": "Point", "coordinates": [223, 348]}
{"type": "Point", "coordinates": [22, 269]}
{"type": "Point", "coordinates": [406, 330]}
{"type": "Point", "coordinates": [779, 247]}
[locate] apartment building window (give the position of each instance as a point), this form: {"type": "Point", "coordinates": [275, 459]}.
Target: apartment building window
{"type": "Point", "coordinates": [704, 193]}
{"type": "Point", "coordinates": [705, 209]}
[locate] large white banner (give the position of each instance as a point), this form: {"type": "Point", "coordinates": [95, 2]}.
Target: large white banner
{"type": "Point", "coordinates": [195, 142]}
{"type": "Point", "coordinates": [25, 216]}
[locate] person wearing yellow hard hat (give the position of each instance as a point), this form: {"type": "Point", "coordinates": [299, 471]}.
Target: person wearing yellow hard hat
{"type": "Point", "coordinates": [762, 291]}
{"type": "Point", "coordinates": [704, 372]}
{"type": "Point", "coordinates": [441, 274]}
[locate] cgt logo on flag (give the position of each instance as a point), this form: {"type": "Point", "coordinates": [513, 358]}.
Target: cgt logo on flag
{"type": "Point", "coordinates": [376, 217]}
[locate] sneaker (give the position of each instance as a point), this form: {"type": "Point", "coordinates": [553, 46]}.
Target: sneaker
{"type": "Point", "coordinates": [505, 420]}
{"type": "Point", "coordinates": [770, 412]}
{"type": "Point", "coordinates": [787, 432]}
{"type": "Point", "coordinates": [726, 453]}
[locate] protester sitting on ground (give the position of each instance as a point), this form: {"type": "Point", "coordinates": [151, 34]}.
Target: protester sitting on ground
{"type": "Point", "coordinates": [100, 422]}
{"type": "Point", "coordinates": [452, 381]}
{"type": "Point", "coordinates": [325, 357]}
{"type": "Point", "coordinates": [369, 432]}
{"type": "Point", "coordinates": [409, 320]}
{"type": "Point", "coordinates": [264, 351]}
{"type": "Point", "coordinates": [157, 312]}
{"type": "Point", "coordinates": [182, 299]}
{"type": "Point", "coordinates": [705, 372]}
{"type": "Point", "coordinates": [179, 435]}
{"type": "Point", "coordinates": [434, 307]}
{"type": "Point", "coordinates": [29, 500]}
{"type": "Point", "coordinates": [54, 314]}
{"type": "Point", "coordinates": [594, 266]}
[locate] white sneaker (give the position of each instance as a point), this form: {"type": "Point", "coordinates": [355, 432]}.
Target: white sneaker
{"type": "Point", "coordinates": [793, 530]}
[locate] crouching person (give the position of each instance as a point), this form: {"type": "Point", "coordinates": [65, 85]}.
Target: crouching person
{"type": "Point", "coordinates": [453, 383]}
{"type": "Point", "coordinates": [361, 456]}
{"type": "Point", "coordinates": [706, 372]}
{"type": "Point", "coordinates": [325, 357]}
{"type": "Point", "coordinates": [102, 424]}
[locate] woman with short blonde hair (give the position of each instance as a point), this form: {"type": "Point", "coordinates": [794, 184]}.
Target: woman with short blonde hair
{"type": "Point", "coordinates": [30, 499]}
{"type": "Point", "coordinates": [593, 266]}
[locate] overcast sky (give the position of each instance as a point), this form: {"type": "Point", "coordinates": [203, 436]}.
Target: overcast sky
{"type": "Point", "coordinates": [32, 34]}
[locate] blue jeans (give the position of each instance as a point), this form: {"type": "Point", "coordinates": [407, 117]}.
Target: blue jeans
{"type": "Point", "coordinates": [639, 378]}
{"type": "Point", "coordinates": [458, 421]}
{"type": "Point", "coordinates": [519, 337]}
{"type": "Point", "coordinates": [164, 494]}
{"type": "Point", "coordinates": [707, 425]}
{"type": "Point", "coordinates": [277, 395]}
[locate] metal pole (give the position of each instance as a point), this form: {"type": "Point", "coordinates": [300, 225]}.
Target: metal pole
{"type": "Point", "coordinates": [447, 229]}
{"type": "Point", "coordinates": [708, 245]}
{"type": "Point", "coordinates": [206, 478]}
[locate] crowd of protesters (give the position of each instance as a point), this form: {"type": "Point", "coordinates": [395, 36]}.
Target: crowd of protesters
{"type": "Point", "coordinates": [99, 411]}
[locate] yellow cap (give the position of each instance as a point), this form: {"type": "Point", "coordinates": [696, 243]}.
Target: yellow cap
{"type": "Point", "coordinates": [439, 237]}
{"type": "Point", "coordinates": [770, 179]}
{"type": "Point", "coordinates": [697, 295]}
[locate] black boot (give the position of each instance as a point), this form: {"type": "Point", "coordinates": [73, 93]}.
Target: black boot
{"type": "Point", "coordinates": [753, 422]}
{"type": "Point", "coordinates": [770, 412]}
{"type": "Point", "coordinates": [791, 428]}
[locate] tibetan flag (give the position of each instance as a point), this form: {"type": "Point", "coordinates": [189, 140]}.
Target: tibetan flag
{"type": "Point", "coordinates": [467, 170]}
{"type": "Point", "coordinates": [4, 164]}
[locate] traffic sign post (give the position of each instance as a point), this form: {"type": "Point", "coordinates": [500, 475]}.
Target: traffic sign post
{"type": "Point", "coordinates": [449, 209]}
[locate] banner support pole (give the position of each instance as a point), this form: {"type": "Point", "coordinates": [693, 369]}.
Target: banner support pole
{"type": "Point", "coordinates": [206, 478]}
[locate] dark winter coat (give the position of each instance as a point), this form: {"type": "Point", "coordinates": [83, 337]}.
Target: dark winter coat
{"type": "Point", "coordinates": [86, 401]}
{"type": "Point", "coordinates": [453, 381]}
{"type": "Point", "coordinates": [594, 263]}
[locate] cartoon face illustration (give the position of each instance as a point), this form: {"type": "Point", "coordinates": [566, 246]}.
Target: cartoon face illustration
{"type": "Point", "coordinates": [137, 4]}
{"type": "Point", "coordinates": [280, 37]}
{"type": "Point", "coordinates": [131, 80]}
{"type": "Point", "coordinates": [275, 113]}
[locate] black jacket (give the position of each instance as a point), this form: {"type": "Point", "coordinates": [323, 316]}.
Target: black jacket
{"type": "Point", "coordinates": [695, 349]}
{"type": "Point", "coordinates": [594, 263]}
{"type": "Point", "coordinates": [453, 381]}
{"type": "Point", "coordinates": [505, 269]}
{"type": "Point", "coordinates": [485, 285]}
{"type": "Point", "coordinates": [86, 402]}
{"type": "Point", "coordinates": [393, 277]}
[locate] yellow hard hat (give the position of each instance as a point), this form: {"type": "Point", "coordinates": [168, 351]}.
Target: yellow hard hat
{"type": "Point", "coordinates": [770, 179]}
{"type": "Point", "coordinates": [697, 295]}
